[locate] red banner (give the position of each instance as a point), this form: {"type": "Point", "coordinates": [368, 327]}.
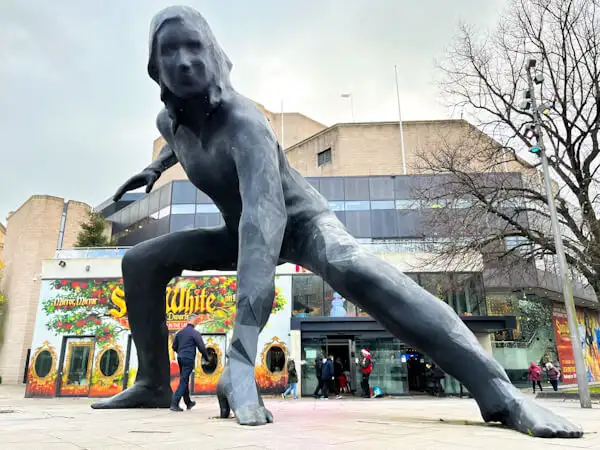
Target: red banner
{"type": "Point", "coordinates": [563, 344]}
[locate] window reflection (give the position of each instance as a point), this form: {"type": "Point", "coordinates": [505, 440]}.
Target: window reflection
{"type": "Point", "coordinates": [307, 292]}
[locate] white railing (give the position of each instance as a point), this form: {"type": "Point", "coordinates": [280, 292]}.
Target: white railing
{"type": "Point", "coordinates": [90, 252]}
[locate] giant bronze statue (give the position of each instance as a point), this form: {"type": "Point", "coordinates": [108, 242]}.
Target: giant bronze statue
{"type": "Point", "coordinates": [272, 215]}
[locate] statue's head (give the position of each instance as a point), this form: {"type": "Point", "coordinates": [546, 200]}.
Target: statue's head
{"type": "Point", "coordinates": [185, 58]}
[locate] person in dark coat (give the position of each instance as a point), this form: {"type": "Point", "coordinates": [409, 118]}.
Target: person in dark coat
{"type": "Point", "coordinates": [319, 372]}
{"type": "Point", "coordinates": [328, 377]}
{"type": "Point", "coordinates": [185, 344]}
{"type": "Point", "coordinates": [292, 379]}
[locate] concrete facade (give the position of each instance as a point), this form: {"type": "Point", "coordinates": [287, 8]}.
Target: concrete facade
{"type": "Point", "coordinates": [360, 149]}
{"type": "Point", "coordinates": [32, 234]}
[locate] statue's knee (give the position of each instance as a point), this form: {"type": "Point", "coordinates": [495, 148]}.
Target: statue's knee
{"type": "Point", "coordinates": [133, 261]}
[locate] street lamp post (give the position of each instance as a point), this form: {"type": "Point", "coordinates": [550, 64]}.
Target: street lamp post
{"type": "Point", "coordinates": [530, 102]}
{"type": "Point", "coordinates": [347, 95]}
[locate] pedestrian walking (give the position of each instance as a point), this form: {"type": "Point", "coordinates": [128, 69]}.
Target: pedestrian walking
{"type": "Point", "coordinates": [535, 376]}
{"type": "Point", "coordinates": [292, 379]}
{"type": "Point", "coordinates": [185, 344]}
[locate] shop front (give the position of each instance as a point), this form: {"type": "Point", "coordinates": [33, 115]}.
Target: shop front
{"type": "Point", "coordinates": [82, 344]}
{"type": "Point", "coordinates": [399, 369]}
{"type": "Point", "coordinates": [588, 322]}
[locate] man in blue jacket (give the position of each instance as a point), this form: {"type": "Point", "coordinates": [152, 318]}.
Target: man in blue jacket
{"type": "Point", "coordinates": [185, 344]}
{"type": "Point", "coordinates": [328, 377]}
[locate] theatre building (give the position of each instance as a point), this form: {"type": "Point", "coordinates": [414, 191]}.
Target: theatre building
{"type": "Point", "coordinates": [82, 344]}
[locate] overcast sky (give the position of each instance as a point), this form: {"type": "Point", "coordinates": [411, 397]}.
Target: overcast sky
{"type": "Point", "coordinates": [78, 108]}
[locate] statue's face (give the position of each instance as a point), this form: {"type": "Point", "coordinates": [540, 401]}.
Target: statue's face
{"type": "Point", "coordinates": [182, 59]}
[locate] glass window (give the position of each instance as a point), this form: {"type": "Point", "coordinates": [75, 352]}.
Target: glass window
{"type": "Point", "coordinates": [43, 364]}
{"type": "Point", "coordinates": [275, 359]}
{"type": "Point", "coordinates": [403, 186]}
{"type": "Point", "coordinates": [357, 206]}
{"type": "Point", "coordinates": [332, 188]}
{"type": "Point", "coordinates": [126, 216]}
{"type": "Point", "coordinates": [314, 182]}
{"type": "Point", "coordinates": [154, 202]}
{"type": "Point", "coordinates": [437, 284]}
{"type": "Point", "coordinates": [183, 209]}
{"type": "Point", "coordinates": [383, 223]}
{"type": "Point", "coordinates": [359, 223]}
{"type": "Point", "coordinates": [201, 197]}
{"type": "Point", "coordinates": [461, 203]}
{"type": "Point", "coordinates": [341, 215]}
{"type": "Point", "coordinates": [383, 204]}
{"type": "Point", "coordinates": [134, 209]}
{"type": "Point", "coordinates": [144, 204]}
{"type": "Point", "coordinates": [182, 222]}
{"type": "Point", "coordinates": [211, 364]}
{"type": "Point", "coordinates": [336, 305]}
{"type": "Point", "coordinates": [164, 212]}
{"type": "Point", "coordinates": [204, 220]}
{"type": "Point", "coordinates": [407, 204]}
{"type": "Point", "coordinates": [109, 362]}
{"type": "Point", "coordinates": [207, 208]}
{"type": "Point", "coordinates": [381, 188]}
{"type": "Point", "coordinates": [165, 195]}
{"type": "Point", "coordinates": [307, 294]}
{"type": "Point", "coordinates": [356, 188]}
{"type": "Point", "coordinates": [184, 192]}
{"type": "Point", "coordinates": [162, 226]}
{"type": "Point", "coordinates": [324, 157]}
{"type": "Point", "coordinates": [336, 206]}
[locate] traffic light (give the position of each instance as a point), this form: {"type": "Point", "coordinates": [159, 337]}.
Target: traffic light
{"type": "Point", "coordinates": [531, 132]}
{"type": "Point", "coordinates": [526, 104]}
{"type": "Point", "coordinates": [535, 150]}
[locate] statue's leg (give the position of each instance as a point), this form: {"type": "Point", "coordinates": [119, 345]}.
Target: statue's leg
{"type": "Point", "coordinates": [420, 319]}
{"type": "Point", "coordinates": [237, 389]}
{"type": "Point", "coordinates": [147, 269]}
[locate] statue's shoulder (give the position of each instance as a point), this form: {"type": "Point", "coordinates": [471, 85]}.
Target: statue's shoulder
{"type": "Point", "coordinates": [164, 124]}
{"type": "Point", "coordinates": [245, 114]}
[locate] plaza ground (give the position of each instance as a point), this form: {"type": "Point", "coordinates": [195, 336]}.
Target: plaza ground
{"type": "Point", "coordinates": [407, 423]}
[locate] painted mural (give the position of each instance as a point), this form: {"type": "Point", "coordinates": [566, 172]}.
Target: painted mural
{"type": "Point", "coordinates": [589, 332]}
{"type": "Point", "coordinates": [82, 332]}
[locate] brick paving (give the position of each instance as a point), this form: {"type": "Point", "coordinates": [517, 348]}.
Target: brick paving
{"type": "Point", "coordinates": [407, 423]}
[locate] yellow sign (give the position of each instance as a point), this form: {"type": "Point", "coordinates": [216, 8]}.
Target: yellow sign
{"type": "Point", "coordinates": [180, 303]}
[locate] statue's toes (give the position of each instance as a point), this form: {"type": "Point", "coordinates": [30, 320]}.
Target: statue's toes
{"type": "Point", "coordinates": [253, 415]}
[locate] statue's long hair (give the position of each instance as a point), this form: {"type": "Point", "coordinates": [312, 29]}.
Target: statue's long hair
{"type": "Point", "coordinates": [218, 66]}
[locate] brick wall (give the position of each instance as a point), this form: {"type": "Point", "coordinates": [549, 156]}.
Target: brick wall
{"type": "Point", "coordinates": [31, 236]}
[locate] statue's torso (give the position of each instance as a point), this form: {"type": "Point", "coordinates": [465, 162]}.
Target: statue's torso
{"type": "Point", "coordinates": [208, 161]}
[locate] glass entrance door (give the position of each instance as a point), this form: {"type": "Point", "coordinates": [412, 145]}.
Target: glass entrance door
{"type": "Point", "coordinates": [76, 366]}
{"type": "Point", "coordinates": [311, 350]}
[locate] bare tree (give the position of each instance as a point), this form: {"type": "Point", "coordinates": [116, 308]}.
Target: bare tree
{"type": "Point", "coordinates": [502, 195]}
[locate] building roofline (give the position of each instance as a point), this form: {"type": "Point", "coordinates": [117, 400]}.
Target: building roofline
{"type": "Point", "coordinates": [34, 197]}
{"type": "Point", "coordinates": [371, 124]}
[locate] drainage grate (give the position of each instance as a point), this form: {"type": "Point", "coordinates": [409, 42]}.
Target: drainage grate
{"type": "Point", "coordinates": [8, 411]}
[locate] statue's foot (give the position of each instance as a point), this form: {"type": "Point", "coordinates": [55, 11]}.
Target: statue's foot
{"type": "Point", "coordinates": [242, 397]}
{"type": "Point", "coordinates": [138, 396]}
{"type": "Point", "coordinates": [528, 417]}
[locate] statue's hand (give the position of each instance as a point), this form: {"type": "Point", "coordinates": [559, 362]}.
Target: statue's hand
{"type": "Point", "coordinates": [146, 178]}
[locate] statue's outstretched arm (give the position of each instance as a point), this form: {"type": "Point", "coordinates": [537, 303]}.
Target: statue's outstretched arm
{"type": "Point", "coordinates": [165, 160]}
